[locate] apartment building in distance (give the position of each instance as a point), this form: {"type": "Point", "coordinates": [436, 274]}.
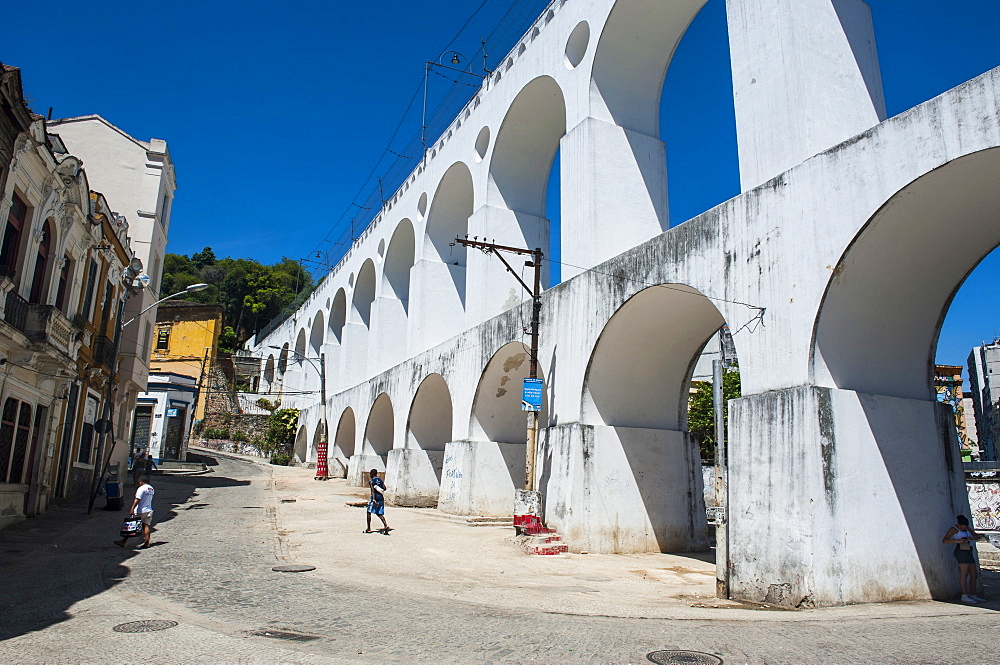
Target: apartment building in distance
{"type": "Point", "coordinates": [984, 386]}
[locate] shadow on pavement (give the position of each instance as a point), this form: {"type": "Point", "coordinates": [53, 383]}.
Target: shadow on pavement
{"type": "Point", "coordinates": [64, 556]}
{"type": "Point", "coordinates": [207, 460]}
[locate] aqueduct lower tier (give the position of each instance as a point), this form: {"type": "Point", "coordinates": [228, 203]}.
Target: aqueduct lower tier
{"type": "Point", "coordinates": [834, 277]}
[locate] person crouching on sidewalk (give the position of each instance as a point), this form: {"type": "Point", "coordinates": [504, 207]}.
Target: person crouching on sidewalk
{"type": "Point", "coordinates": [142, 507]}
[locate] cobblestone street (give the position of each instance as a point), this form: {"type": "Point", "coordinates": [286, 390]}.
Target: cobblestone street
{"type": "Point", "coordinates": [376, 599]}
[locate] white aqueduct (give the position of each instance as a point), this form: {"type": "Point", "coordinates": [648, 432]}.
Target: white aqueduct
{"type": "Point", "coordinates": [847, 243]}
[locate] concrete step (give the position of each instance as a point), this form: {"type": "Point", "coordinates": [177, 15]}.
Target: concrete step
{"type": "Point", "coordinates": [166, 465]}
{"type": "Point", "coordinates": [536, 538]}
{"type": "Point", "coordinates": [181, 469]}
{"type": "Point", "coordinates": [547, 544]}
{"type": "Point", "coordinates": [467, 520]}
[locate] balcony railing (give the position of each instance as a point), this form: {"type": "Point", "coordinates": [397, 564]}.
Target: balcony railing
{"type": "Point", "coordinates": [102, 351]}
{"type": "Point", "coordinates": [16, 310]}
{"type": "Point", "coordinates": [45, 323]}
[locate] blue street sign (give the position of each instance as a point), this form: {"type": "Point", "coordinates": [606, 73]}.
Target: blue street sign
{"type": "Point", "coordinates": [171, 413]}
{"type": "Point", "coordinates": [531, 396]}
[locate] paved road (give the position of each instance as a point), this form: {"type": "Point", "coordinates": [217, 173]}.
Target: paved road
{"type": "Point", "coordinates": [64, 586]}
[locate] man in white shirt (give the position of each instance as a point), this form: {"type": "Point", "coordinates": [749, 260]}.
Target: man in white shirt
{"type": "Point", "coordinates": [142, 507]}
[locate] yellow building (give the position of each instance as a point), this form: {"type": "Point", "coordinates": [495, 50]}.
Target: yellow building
{"type": "Point", "coordinates": [183, 351]}
{"type": "Point", "coordinates": [185, 342]}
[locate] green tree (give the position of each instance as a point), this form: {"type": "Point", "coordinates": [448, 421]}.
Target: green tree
{"type": "Point", "coordinates": [280, 435]}
{"type": "Point", "coordinates": [227, 340]}
{"type": "Point", "coordinates": [250, 293]}
{"type": "Point", "coordinates": [205, 257]}
{"type": "Point", "coordinates": [701, 410]}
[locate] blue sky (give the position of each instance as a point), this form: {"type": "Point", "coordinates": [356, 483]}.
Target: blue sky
{"type": "Point", "coordinates": [276, 112]}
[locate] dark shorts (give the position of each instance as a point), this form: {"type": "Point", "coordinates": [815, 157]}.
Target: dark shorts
{"type": "Point", "coordinates": [376, 507]}
{"type": "Point", "coordinates": [964, 556]}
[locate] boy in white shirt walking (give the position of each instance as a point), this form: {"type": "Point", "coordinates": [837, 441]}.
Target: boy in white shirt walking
{"type": "Point", "coordinates": [142, 507]}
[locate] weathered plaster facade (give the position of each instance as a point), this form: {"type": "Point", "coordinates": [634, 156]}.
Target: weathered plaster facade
{"type": "Point", "coordinates": [139, 177]}
{"type": "Point", "coordinates": [837, 446]}
{"type": "Point", "coordinates": [63, 257]}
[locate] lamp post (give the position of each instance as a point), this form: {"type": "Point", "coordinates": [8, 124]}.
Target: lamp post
{"type": "Point", "coordinates": [194, 288]}
{"type": "Point", "coordinates": [322, 448]}
{"type": "Point", "coordinates": [104, 424]}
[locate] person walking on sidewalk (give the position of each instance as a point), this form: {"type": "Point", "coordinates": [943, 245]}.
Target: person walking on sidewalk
{"type": "Point", "coordinates": [964, 538]}
{"type": "Point", "coordinates": [376, 504]}
{"type": "Point", "coordinates": [142, 507]}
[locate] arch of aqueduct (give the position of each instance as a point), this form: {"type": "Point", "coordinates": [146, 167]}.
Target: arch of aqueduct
{"type": "Point", "coordinates": [835, 266]}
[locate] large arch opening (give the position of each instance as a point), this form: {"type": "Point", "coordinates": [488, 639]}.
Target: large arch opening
{"type": "Point", "coordinates": [316, 334]}
{"type": "Point", "coordinates": [496, 410]}
{"type": "Point", "coordinates": [525, 146]}
{"type": "Point", "coordinates": [299, 380]}
{"type": "Point", "coordinates": [449, 218]}
{"type": "Point", "coordinates": [398, 263]}
{"type": "Point", "coordinates": [300, 345]}
{"type": "Point", "coordinates": [344, 439]}
{"type": "Point", "coordinates": [698, 118]}
{"type": "Point", "coordinates": [283, 359]}
{"type": "Point", "coordinates": [651, 108]}
{"type": "Point", "coordinates": [873, 353]}
{"type": "Point", "coordinates": [301, 449]}
{"type": "Point", "coordinates": [439, 303]}
{"type": "Point", "coordinates": [338, 316]}
{"type": "Point", "coordinates": [357, 343]}
{"type": "Point", "coordinates": [393, 305]}
{"type": "Point", "coordinates": [269, 367]}
{"type": "Point", "coordinates": [879, 322]}
{"type": "Point", "coordinates": [379, 429]}
{"type": "Point", "coordinates": [634, 410]}
{"type": "Point", "coordinates": [364, 295]}
{"type": "Point", "coordinates": [430, 424]}
{"type": "Point", "coordinates": [632, 57]}
{"type": "Point", "coordinates": [641, 369]}
{"type": "Point", "coordinates": [521, 165]}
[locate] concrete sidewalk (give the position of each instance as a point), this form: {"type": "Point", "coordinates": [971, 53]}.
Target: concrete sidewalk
{"type": "Point", "coordinates": [321, 524]}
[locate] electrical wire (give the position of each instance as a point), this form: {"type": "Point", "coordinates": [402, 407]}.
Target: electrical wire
{"type": "Point", "coordinates": [514, 23]}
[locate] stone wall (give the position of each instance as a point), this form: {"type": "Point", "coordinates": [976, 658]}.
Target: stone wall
{"type": "Point", "coordinates": [222, 412]}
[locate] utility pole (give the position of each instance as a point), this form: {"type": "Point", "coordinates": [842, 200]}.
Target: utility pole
{"type": "Point", "coordinates": [323, 447]}
{"type": "Point", "coordinates": [197, 397]}
{"type": "Point", "coordinates": [721, 471]}
{"type": "Point", "coordinates": [536, 306]}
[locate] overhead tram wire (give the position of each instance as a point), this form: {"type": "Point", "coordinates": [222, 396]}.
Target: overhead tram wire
{"type": "Point", "coordinates": [508, 30]}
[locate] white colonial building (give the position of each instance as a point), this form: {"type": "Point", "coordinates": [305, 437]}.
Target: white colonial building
{"type": "Point", "coordinates": [138, 176]}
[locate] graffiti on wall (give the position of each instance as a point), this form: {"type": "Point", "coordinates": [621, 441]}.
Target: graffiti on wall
{"type": "Point", "coordinates": [984, 502]}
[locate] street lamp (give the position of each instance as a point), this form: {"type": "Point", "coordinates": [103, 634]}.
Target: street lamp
{"type": "Point", "coordinates": [194, 288]}
{"type": "Point", "coordinates": [456, 59]}
{"type": "Point", "coordinates": [322, 462]}
{"type": "Point", "coordinates": [131, 276]}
